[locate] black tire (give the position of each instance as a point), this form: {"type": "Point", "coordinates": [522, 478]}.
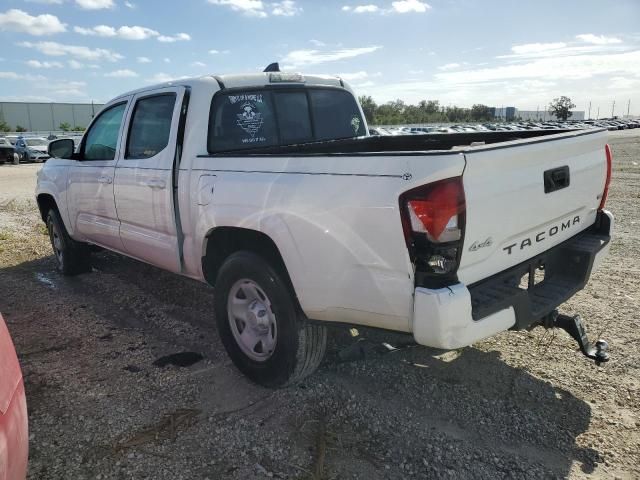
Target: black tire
{"type": "Point", "coordinates": [71, 257]}
{"type": "Point", "coordinates": [299, 347]}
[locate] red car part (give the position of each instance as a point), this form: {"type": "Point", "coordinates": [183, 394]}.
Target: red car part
{"type": "Point", "coordinates": [14, 435]}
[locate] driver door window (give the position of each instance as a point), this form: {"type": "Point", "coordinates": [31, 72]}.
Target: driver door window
{"type": "Point", "coordinates": [103, 136]}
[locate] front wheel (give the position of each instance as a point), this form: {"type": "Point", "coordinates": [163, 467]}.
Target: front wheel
{"type": "Point", "coordinates": [72, 257]}
{"type": "Point", "coordinates": [259, 324]}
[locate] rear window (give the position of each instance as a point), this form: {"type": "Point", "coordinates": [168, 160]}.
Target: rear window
{"type": "Point", "coordinates": [242, 120]}
{"type": "Point", "coordinates": [265, 118]}
{"type": "Point", "coordinates": [335, 114]}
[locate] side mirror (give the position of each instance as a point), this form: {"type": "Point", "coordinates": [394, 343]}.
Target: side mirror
{"type": "Point", "coordinates": [62, 148]}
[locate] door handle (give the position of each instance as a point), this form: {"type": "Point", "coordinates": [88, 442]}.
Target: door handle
{"type": "Point", "coordinates": [104, 179]}
{"type": "Point", "coordinates": [155, 183]}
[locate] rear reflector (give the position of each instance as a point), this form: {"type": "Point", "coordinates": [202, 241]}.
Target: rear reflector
{"type": "Point", "coordinates": [605, 192]}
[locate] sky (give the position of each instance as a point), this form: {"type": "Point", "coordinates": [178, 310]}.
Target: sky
{"type": "Point", "coordinates": [460, 52]}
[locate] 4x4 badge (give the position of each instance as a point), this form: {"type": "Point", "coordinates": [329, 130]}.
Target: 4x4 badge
{"type": "Point", "coordinates": [478, 245]}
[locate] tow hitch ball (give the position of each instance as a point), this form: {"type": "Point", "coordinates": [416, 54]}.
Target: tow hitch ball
{"type": "Point", "coordinates": [574, 326]}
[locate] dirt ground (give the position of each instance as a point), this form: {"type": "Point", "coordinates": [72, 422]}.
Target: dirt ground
{"type": "Point", "coordinates": [520, 405]}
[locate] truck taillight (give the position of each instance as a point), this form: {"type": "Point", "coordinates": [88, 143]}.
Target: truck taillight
{"type": "Point", "coordinates": [607, 182]}
{"type": "Point", "coordinates": [433, 219]}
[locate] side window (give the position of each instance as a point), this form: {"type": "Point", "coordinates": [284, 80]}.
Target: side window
{"type": "Point", "coordinates": [242, 120]}
{"type": "Point", "coordinates": [293, 117]}
{"type": "Point", "coordinates": [102, 138]}
{"type": "Point", "coordinates": [335, 114]}
{"type": "Point", "coordinates": [150, 126]}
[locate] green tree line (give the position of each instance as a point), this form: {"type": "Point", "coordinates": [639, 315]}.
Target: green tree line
{"type": "Point", "coordinates": [398, 112]}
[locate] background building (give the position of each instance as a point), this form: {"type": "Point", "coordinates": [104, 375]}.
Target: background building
{"type": "Point", "coordinates": [42, 117]}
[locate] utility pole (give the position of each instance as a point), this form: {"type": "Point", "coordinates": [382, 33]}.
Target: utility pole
{"type": "Point", "coordinates": [628, 106]}
{"type": "Point", "coordinates": [598, 114]}
{"type": "Point", "coordinates": [613, 106]}
{"type": "Point", "coordinates": [589, 116]}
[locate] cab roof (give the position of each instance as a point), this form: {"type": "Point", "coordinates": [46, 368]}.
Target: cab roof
{"type": "Point", "coordinates": [246, 81]}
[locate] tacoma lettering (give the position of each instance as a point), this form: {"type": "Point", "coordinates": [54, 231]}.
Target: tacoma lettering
{"type": "Point", "coordinates": [542, 236]}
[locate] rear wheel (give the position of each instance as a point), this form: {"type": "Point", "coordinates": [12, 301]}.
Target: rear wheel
{"type": "Point", "coordinates": [259, 324]}
{"type": "Point", "coordinates": [72, 257]}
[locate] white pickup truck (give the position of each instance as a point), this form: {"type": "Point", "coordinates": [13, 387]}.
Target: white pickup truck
{"type": "Point", "coordinates": [267, 187]}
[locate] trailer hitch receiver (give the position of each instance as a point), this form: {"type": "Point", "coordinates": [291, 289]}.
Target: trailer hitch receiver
{"type": "Point", "coordinates": [575, 327]}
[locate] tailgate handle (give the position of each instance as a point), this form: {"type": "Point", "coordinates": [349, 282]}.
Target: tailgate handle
{"type": "Point", "coordinates": [556, 179]}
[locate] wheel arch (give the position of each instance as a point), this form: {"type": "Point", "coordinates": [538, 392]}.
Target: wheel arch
{"type": "Point", "coordinates": [46, 202]}
{"type": "Point", "coordinates": [221, 242]}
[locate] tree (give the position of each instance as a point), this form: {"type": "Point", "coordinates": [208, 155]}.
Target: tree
{"type": "Point", "coordinates": [20, 128]}
{"type": "Point", "coordinates": [481, 112]}
{"type": "Point", "coordinates": [65, 126]}
{"type": "Point", "coordinates": [4, 126]}
{"type": "Point", "coordinates": [369, 107]}
{"type": "Point", "coordinates": [78, 129]}
{"type": "Point", "coordinates": [561, 107]}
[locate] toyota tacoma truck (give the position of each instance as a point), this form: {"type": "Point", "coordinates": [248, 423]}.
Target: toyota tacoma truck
{"type": "Point", "coordinates": [267, 187]}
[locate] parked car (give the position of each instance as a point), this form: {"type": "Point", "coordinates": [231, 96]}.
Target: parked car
{"type": "Point", "coordinates": [7, 152]}
{"type": "Point", "coordinates": [14, 435]}
{"type": "Point", "coordinates": [268, 187]}
{"type": "Point", "coordinates": [32, 149]}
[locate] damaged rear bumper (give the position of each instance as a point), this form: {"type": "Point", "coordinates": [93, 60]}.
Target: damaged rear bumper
{"type": "Point", "coordinates": [458, 316]}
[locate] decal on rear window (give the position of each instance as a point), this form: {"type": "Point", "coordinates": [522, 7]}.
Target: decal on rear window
{"type": "Point", "coordinates": [355, 124]}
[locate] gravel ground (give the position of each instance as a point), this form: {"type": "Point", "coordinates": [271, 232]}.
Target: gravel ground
{"type": "Point", "coordinates": [521, 405]}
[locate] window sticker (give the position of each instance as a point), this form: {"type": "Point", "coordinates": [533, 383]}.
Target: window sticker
{"type": "Point", "coordinates": [355, 124]}
{"type": "Point", "coordinates": [249, 119]}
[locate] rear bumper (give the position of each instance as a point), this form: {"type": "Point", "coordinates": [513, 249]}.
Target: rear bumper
{"type": "Point", "coordinates": [458, 316]}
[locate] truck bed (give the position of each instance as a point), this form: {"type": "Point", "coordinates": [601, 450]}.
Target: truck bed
{"type": "Point", "coordinates": [399, 143]}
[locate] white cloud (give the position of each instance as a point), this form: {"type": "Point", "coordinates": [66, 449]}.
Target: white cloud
{"type": "Point", "coordinates": [20, 76]}
{"type": "Point", "coordinates": [361, 8]}
{"type": "Point", "coordinates": [174, 38]}
{"type": "Point", "coordinates": [125, 32]}
{"type": "Point", "coordinates": [166, 60]}
{"type": "Point", "coordinates": [46, 2]}
{"type": "Point", "coordinates": [95, 4]}
{"type": "Point", "coordinates": [350, 77]}
{"type": "Point", "coordinates": [569, 67]}
{"type": "Point", "coordinates": [20, 21]}
{"type": "Point", "coordinates": [408, 6]}
{"type": "Point", "coordinates": [143, 60]}
{"type": "Point", "coordinates": [317, 43]}
{"type": "Point", "coordinates": [198, 64]}
{"type": "Point", "coordinates": [300, 58]}
{"type": "Point", "coordinates": [537, 47]}
{"type": "Point", "coordinates": [217, 52]}
{"type": "Point", "coordinates": [123, 73]}
{"type": "Point", "coordinates": [64, 90]}
{"type": "Point", "coordinates": [55, 49]}
{"type": "Point", "coordinates": [253, 8]}
{"type": "Point", "coordinates": [366, 9]}
{"type": "Point", "coordinates": [39, 64]}
{"type": "Point", "coordinates": [164, 77]}
{"type": "Point", "coordinates": [449, 66]}
{"type": "Point", "coordinates": [285, 8]}
{"type": "Point", "coordinates": [129, 5]}
{"type": "Point", "coordinates": [598, 39]}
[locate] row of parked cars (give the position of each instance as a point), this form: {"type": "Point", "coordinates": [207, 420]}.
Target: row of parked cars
{"type": "Point", "coordinates": [614, 124]}
{"type": "Point", "coordinates": [18, 148]}
{"type": "Point", "coordinates": [25, 148]}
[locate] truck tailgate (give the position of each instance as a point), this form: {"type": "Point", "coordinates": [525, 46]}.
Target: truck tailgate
{"type": "Point", "coordinates": [509, 216]}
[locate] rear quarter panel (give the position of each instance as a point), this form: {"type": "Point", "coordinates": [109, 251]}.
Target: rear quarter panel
{"type": "Point", "coordinates": [335, 220]}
